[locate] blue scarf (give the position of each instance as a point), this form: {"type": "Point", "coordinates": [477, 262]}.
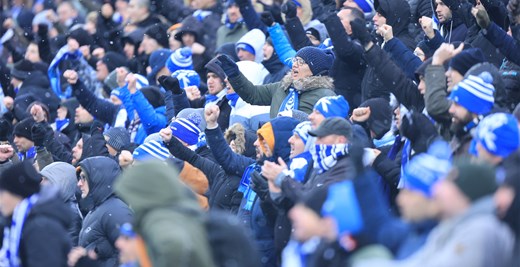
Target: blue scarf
{"type": "Point", "coordinates": [326, 156]}
{"type": "Point", "coordinates": [54, 72]}
{"type": "Point", "coordinates": [298, 166]}
{"type": "Point", "coordinates": [29, 154]}
{"type": "Point", "coordinates": [405, 157]}
{"type": "Point", "coordinates": [245, 187]}
{"type": "Point", "coordinates": [290, 102]}
{"type": "Point", "coordinates": [210, 99]}
{"type": "Point", "coordinates": [233, 98]}
{"type": "Point", "coordinates": [200, 15]}
{"type": "Point", "coordinates": [230, 25]}
{"type": "Point", "coordinates": [9, 255]}
{"type": "Point", "coordinates": [62, 124]}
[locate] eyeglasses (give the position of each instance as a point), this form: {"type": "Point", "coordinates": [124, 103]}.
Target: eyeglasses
{"type": "Point", "coordinates": [298, 61]}
{"type": "Point", "coordinates": [82, 178]}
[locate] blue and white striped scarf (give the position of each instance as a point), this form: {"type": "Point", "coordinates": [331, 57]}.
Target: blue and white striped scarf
{"type": "Point", "coordinates": [9, 255]}
{"type": "Point", "coordinates": [291, 101]}
{"type": "Point", "coordinates": [245, 187]}
{"type": "Point", "coordinates": [54, 71]}
{"type": "Point", "coordinates": [326, 156]}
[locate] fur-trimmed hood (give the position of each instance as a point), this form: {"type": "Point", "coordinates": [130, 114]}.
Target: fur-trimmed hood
{"type": "Point", "coordinates": [308, 84]}
{"type": "Point", "coordinates": [243, 138]}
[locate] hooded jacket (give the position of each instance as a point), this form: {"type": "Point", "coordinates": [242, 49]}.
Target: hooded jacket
{"type": "Point", "coordinates": [167, 216]}
{"type": "Point", "coordinates": [311, 90]}
{"type": "Point", "coordinates": [256, 39]}
{"type": "Point", "coordinates": [63, 176]}
{"type": "Point", "coordinates": [44, 240]}
{"type": "Point", "coordinates": [101, 225]}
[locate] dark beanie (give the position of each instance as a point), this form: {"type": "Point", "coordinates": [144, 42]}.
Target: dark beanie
{"type": "Point", "coordinates": [318, 60]}
{"type": "Point", "coordinates": [22, 69]}
{"type": "Point", "coordinates": [157, 62]}
{"type": "Point", "coordinates": [421, 70]}
{"type": "Point", "coordinates": [153, 95]}
{"type": "Point", "coordinates": [114, 60]}
{"type": "Point", "coordinates": [23, 128]}
{"type": "Point", "coordinates": [158, 32]}
{"type": "Point", "coordinates": [212, 66]}
{"type": "Point", "coordinates": [81, 36]}
{"type": "Point", "coordinates": [380, 120]}
{"type": "Point", "coordinates": [118, 138]}
{"type": "Point", "coordinates": [312, 31]}
{"type": "Point", "coordinates": [21, 179]}
{"type": "Point", "coordinates": [475, 179]}
{"type": "Point", "coordinates": [466, 59]}
{"type": "Point", "coordinates": [428, 53]}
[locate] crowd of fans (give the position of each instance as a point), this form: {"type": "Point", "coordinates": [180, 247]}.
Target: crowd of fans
{"type": "Point", "coordinates": [260, 133]}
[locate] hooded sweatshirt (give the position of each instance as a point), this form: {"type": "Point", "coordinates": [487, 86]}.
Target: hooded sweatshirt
{"type": "Point", "coordinates": [256, 39]}
{"type": "Point", "coordinates": [162, 204]}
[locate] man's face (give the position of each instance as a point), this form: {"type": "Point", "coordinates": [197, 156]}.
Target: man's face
{"type": "Point", "coordinates": [344, 17]}
{"type": "Point", "coordinates": [422, 85]}
{"type": "Point", "coordinates": [449, 198]}
{"type": "Point", "coordinates": [268, 51]}
{"type": "Point", "coordinates": [262, 148]}
{"type": "Point", "coordinates": [77, 151]}
{"type": "Point", "coordinates": [300, 69]}
{"type": "Point", "coordinates": [22, 144]}
{"type": "Point", "coordinates": [134, 10]}
{"type": "Point", "coordinates": [127, 247]}
{"type": "Point", "coordinates": [8, 202]}
{"type": "Point", "coordinates": [244, 55]}
{"type": "Point", "coordinates": [65, 13]}
{"type": "Point", "coordinates": [297, 146]}
{"type": "Point", "coordinates": [331, 140]}
{"type": "Point", "coordinates": [378, 20]}
{"type": "Point", "coordinates": [233, 13]}
{"type": "Point", "coordinates": [161, 72]}
{"type": "Point", "coordinates": [415, 206]}
{"type": "Point", "coordinates": [15, 82]}
{"type": "Point", "coordinates": [214, 83]}
{"type": "Point", "coordinates": [306, 223]}
{"type": "Point", "coordinates": [83, 184]}
{"type": "Point", "coordinates": [129, 50]}
{"type": "Point", "coordinates": [459, 114]}
{"type": "Point", "coordinates": [149, 45]}
{"type": "Point", "coordinates": [316, 118]}
{"type": "Point", "coordinates": [82, 116]}
{"type": "Point", "coordinates": [443, 12]}
{"type": "Point", "coordinates": [32, 54]}
{"type": "Point", "coordinates": [188, 39]}
{"type": "Point", "coordinates": [486, 156]}
{"type": "Point", "coordinates": [101, 70]}
{"type": "Point", "coordinates": [453, 77]}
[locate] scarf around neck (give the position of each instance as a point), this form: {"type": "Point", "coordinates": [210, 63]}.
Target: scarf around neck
{"type": "Point", "coordinates": [326, 156]}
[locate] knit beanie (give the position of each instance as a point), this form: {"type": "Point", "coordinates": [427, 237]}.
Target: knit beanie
{"type": "Point", "coordinates": [333, 106]}
{"type": "Point", "coordinates": [157, 61]}
{"type": "Point", "coordinates": [150, 151]}
{"type": "Point", "coordinates": [158, 32]}
{"type": "Point", "coordinates": [21, 179]}
{"type": "Point", "coordinates": [114, 60]}
{"type": "Point", "coordinates": [195, 115]}
{"type": "Point", "coordinates": [475, 93]}
{"type": "Point", "coordinates": [118, 138]}
{"type": "Point", "coordinates": [428, 53]}
{"type": "Point", "coordinates": [302, 130]}
{"type": "Point", "coordinates": [343, 206]}
{"type": "Point", "coordinates": [474, 179]}
{"type": "Point", "coordinates": [295, 114]}
{"type": "Point", "coordinates": [498, 133]}
{"type": "Point", "coordinates": [318, 60]}
{"type": "Point", "coordinates": [426, 169]}
{"type": "Point", "coordinates": [180, 59]}
{"type": "Point", "coordinates": [187, 78]}
{"type": "Point", "coordinates": [367, 6]}
{"type": "Point", "coordinates": [23, 128]}
{"type": "Point", "coordinates": [466, 59]}
{"type": "Point", "coordinates": [81, 36]}
{"type": "Point", "coordinates": [212, 66]}
{"type": "Point", "coordinates": [186, 130]}
{"type": "Point", "coordinates": [312, 31]}
{"type": "Point", "coordinates": [22, 69]}
{"type": "Point", "coordinates": [380, 120]}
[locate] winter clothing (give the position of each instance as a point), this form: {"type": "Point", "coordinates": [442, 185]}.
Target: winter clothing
{"type": "Point", "coordinates": [158, 32]}
{"type": "Point", "coordinates": [118, 138]}
{"type": "Point", "coordinates": [332, 106]}
{"type": "Point", "coordinates": [466, 59]}
{"type": "Point", "coordinates": [253, 42]}
{"type": "Point", "coordinates": [505, 43]}
{"type": "Point", "coordinates": [113, 60]}
{"type": "Point", "coordinates": [157, 62]}
{"type": "Point", "coordinates": [20, 179]}
{"type": "Point", "coordinates": [151, 150]}
{"type": "Point", "coordinates": [318, 60]}
{"type": "Point", "coordinates": [475, 93]}
{"type": "Point", "coordinates": [100, 227]}
{"type": "Point", "coordinates": [161, 204]}
{"type": "Point", "coordinates": [180, 59]}
{"type": "Point", "coordinates": [230, 33]}
{"type": "Point", "coordinates": [498, 134]}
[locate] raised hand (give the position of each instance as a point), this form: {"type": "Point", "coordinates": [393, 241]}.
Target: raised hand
{"type": "Point", "coordinates": [71, 76]}
{"type": "Point", "coordinates": [427, 26]}
{"type": "Point", "coordinates": [445, 52]}
{"type": "Point", "coordinates": [386, 32]}
{"type": "Point", "coordinates": [211, 114]}
{"type": "Point", "coordinates": [289, 9]}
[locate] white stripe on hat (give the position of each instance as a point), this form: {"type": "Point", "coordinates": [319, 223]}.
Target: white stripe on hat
{"type": "Point", "coordinates": [155, 149]}
{"type": "Point", "coordinates": [188, 125]}
{"type": "Point", "coordinates": [479, 88]}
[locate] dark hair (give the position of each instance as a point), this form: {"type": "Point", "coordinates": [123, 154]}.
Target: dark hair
{"type": "Point", "coordinates": [355, 13]}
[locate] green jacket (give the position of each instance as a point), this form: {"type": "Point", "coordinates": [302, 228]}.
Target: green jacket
{"type": "Point", "coordinates": [310, 89]}
{"type": "Point", "coordinates": [227, 35]}
{"type": "Point", "coordinates": [167, 216]}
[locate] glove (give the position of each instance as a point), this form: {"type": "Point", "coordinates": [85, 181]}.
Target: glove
{"type": "Point", "coordinates": [259, 185]}
{"type": "Point", "coordinates": [482, 19]}
{"type": "Point", "coordinates": [39, 134]}
{"type": "Point", "coordinates": [5, 128]}
{"type": "Point", "coordinates": [228, 66]}
{"type": "Point", "coordinates": [43, 30]}
{"type": "Point", "coordinates": [289, 9]}
{"type": "Point", "coordinates": [267, 18]}
{"type": "Point", "coordinates": [328, 9]}
{"type": "Point", "coordinates": [360, 32]}
{"type": "Point", "coordinates": [170, 84]}
{"type": "Point", "coordinates": [419, 130]}
{"type": "Point", "coordinates": [96, 127]}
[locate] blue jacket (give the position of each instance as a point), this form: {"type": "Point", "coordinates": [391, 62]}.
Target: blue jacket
{"type": "Point", "coordinates": [505, 43]}
{"type": "Point", "coordinates": [152, 120]}
{"type": "Point", "coordinates": [281, 44]}
{"type": "Point", "coordinates": [403, 57]}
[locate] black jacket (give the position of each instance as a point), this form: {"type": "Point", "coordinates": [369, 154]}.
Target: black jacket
{"type": "Point", "coordinates": [45, 240]}
{"type": "Point", "coordinates": [100, 227]}
{"type": "Point", "coordinates": [225, 110]}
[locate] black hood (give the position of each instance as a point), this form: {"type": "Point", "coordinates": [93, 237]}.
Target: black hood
{"type": "Point", "coordinates": [273, 64]}
{"type": "Point", "coordinates": [380, 120]}
{"type": "Point", "coordinates": [51, 205]}
{"type": "Point", "coordinates": [101, 174]}
{"type": "Point", "coordinates": [397, 14]}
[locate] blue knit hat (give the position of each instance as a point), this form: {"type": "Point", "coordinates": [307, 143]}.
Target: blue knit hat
{"type": "Point", "coordinates": [319, 60]}
{"type": "Point", "coordinates": [475, 93]}
{"type": "Point", "coordinates": [366, 5]}
{"type": "Point", "coordinates": [246, 47]}
{"type": "Point", "coordinates": [343, 206]}
{"type": "Point", "coordinates": [333, 106]}
{"type": "Point", "coordinates": [180, 59]}
{"type": "Point", "coordinates": [151, 150]}
{"type": "Point", "coordinates": [302, 130]}
{"type": "Point", "coordinates": [425, 169]}
{"type": "Point", "coordinates": [157, 61]}
{"type": "Point", "coordinates": [187, 78]}
{"type": "Point", "coordinates": [186, 130]}
{"type": "Point", "coordinates": [498, 133]}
